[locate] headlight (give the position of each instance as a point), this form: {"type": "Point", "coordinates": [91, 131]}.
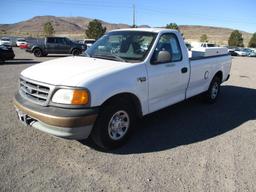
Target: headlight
{"type": "Point", "coordinates": [71, 96]}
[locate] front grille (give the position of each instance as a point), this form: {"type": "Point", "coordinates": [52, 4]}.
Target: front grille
{"type": "Point", "coordinates": [35, 92]}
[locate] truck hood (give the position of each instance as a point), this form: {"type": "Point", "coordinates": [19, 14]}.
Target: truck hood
{"type": "Point", "coordinates": [71, 71]}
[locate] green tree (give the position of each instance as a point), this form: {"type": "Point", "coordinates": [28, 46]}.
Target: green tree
{"type": "Point", "coordinates": [236, 39]}
{"type": "Point", "coordinates": [172, 26]}
{"type": "Point", "coordinates": [252, 42]}
{"type": "Point", "coordinates": [48, 29]}
{"type": "Point", "coordinates": [95, 29]}
{"type": "Point", "coordinates": [204, 38]}
{"type": "Point", "coordinates": [3, 31]}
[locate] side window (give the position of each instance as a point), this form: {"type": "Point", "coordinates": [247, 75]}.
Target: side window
{"type": "Point", "coordinates": [50, 40]}
{"type": "Point", "coordinates": [67, 41]}
{"type": "Point", "coordinates": [167, 50]}
{"type": "Point", "coordinates": [60, 41]}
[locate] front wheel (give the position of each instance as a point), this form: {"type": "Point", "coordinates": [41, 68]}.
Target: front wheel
{"type": "Point", "coordinates": [214, 89]}
{"type": "Point", "coordinates": [114, 125]}
{"type": "Point", "coordinates": [76, 52]}
{"type": "Point", "coordinates": [38, 53]}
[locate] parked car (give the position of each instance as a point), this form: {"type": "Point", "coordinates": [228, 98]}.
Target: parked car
{"type": "Point", "coordinates": [89, 42]}
{"type": "Point", "coordinates": [231, 51]}
{"type": "Point", "coordinates": [6, 53]}
{"type": "Point", "coordinates": [23, 46]}
{"type": "Point", "coordinates": [21, 41]}
{"type": "Point", "coordinates": [56, 45]}
{"type": "Point", "coordinates": [5, 41]}
{"type": "Point", "coordinates": [250, 52]}
{"type": "Point", "coordinates": [208, 45]}
{"type": "Point", "coordinates": [240, 52]}
{"type": "Point", "coordinates": [102, 93]}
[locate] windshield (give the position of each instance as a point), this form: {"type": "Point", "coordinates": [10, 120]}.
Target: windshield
{"type": "Point", "coordinates": [5, 39]}
{"type": "Point", "coordinates": [132, 46]}
{"type": "Point", "coordinates": [211, 45]}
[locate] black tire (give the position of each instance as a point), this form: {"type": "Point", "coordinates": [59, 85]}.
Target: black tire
{"type": "Point", "coordinates": [76, 52]}
{"type": "Point", "coordinates": [38, 52]}
{"type": "Point", "coordinates": [102, 133]}
{"type": "Point", "coordinates": [45, 54]}
{"type": "Point", "coordinates": [1, 60]}
{"type": "Point", "coordinates": [212, 94]}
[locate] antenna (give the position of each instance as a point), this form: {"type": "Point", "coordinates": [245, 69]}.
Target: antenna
{"type": "Point", "coordinates": [133, 8]}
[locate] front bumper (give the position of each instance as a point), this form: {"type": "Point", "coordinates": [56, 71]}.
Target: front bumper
{"type": "Point", "coordinates": [67, 123]}
{"type": "Point", "coordinates": [29, 50]}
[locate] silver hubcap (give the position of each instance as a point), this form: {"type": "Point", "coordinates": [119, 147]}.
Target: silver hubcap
{"type": "Point", "coordinates": [215, 90]}
{"type": "Point", "coordinates": [118, 125]}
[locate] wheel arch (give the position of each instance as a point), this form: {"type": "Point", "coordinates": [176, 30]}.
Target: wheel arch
{"type": "Point", "coordinates": [126, 96]}
{"type": "Point", "coordinates": [219, 74]}
{"type": "Point", "coordinates": [75, 48]}
{"type": "Point", "coordinates": [34, 48]}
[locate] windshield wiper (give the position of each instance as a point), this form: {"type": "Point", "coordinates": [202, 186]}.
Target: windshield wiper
{"type": "Point", "coordinates": [109, 56]}
{"type": "Point", "coordinates": [118, 57]}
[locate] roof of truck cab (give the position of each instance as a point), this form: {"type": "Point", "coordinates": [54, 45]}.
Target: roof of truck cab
{"type": "Point", "coordinates": [154, 30]}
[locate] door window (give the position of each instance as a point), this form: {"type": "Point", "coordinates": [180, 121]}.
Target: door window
{"type": "Point", "coordinates": [50, 40]}
{"type": "Point", "coordinates": [61, 41]}
{"type": "Point", "coordinates": [167, 43]}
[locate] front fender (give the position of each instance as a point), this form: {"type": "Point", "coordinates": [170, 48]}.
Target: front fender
{"type": "Point", "coordinates": [36, 47]}
{"type": "Point", "coordinates": [126, 81]}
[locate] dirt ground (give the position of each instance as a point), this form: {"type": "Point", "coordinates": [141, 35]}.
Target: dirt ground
{"type": "Point", "coordinates": [191, 146]}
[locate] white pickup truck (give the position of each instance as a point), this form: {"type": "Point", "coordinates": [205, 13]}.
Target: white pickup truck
{"type": "Point", "coordinates": [126, 74]}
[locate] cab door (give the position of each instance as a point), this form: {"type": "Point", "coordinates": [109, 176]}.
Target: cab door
{"type": "Point", "coordinates": [168, 79]}
{"type": "Point", "coordinates": [62, 46]}
{"type": "Point", "coordinates": [51, 45]}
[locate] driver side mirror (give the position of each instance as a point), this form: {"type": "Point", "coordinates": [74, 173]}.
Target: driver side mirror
{"type": "Point", "coordinates": [162, 57]}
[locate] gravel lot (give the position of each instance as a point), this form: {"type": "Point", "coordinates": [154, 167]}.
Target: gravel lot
{"type": "Point", "coordinates": [191, 146]}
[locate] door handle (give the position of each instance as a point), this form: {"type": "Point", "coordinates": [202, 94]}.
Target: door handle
{"type": "Point", "coordinates": [141, 79]}
{"type": "Point", "coordinates": [184, 70]}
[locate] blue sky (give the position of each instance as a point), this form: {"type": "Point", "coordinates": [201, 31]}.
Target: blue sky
{"type": "Point", "coordinates": [223, 13]}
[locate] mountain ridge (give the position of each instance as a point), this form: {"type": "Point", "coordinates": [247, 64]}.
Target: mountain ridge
{"type": "Point", "coordinates": [76, 26]}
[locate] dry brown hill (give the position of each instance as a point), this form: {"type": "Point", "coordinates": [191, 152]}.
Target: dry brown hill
{"type": "Point", "coordinates": [62, 25]}
{"type": "Point", "coordinates": [75, 27]}
{"type": "Point", "coordinates": [217, 35]}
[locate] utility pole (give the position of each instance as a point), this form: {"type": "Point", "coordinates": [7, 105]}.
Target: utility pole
{"type": "Point", "coordinates": [133, 8]}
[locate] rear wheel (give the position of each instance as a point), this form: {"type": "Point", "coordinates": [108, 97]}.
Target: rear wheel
{"type": "Point", "coordinates": [76, 52]}
{"type": "Point", "coordinates": [212, 94]}
{"type": "Point", "coordinates": [114, 125]}
{"type": "Point", "coordinates": [38, 52]}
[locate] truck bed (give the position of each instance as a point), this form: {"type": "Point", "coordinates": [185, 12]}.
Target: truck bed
{"type": "Point", "coordinates": [210, 52]}
{"type": "Point", "coordinates": [203, 68]}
